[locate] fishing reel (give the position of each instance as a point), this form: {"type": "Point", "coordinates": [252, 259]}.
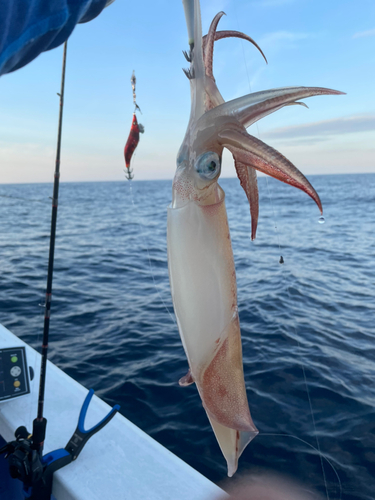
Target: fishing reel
{"type": "Point", "coordinates": [36, 471]}
{"type": "Point", "coordinates": [24, 462]}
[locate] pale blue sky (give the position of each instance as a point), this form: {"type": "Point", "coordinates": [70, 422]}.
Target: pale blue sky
{"type": "Point", "coordinates": [325, 43]}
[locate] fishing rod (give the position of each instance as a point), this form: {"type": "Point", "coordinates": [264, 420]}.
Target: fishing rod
{"type": "Point", "coordinates": [39, 424]}
{"type": "Point", "coordinates": [25, 454]}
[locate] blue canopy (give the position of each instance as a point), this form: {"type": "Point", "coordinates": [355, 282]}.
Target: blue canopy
{"type": "Point", "coordinates": [29, 27]}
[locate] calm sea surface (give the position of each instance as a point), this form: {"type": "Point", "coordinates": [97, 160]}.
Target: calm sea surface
{"type": "Point", "coordinates": [307, 325]}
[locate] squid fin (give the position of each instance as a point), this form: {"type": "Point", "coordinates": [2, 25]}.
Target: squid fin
{"type": "Point", "coordinates": [187, 379]}
{"type": "Point", "coordinates": [232, 442]}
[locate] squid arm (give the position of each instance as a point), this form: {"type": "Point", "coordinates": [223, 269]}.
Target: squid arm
{"type": "Point", "coordinates": [200, 256]}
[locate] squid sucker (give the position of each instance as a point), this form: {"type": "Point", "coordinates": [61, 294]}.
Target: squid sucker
{"type": "Point", "coordinates": [200, 257]}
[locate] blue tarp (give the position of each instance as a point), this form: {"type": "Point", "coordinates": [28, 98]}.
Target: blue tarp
{"type": "Point", "coordinates": [29, 27]}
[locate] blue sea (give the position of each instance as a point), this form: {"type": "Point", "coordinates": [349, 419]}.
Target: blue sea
{"type": "Point", "coordinates": [308, 325]}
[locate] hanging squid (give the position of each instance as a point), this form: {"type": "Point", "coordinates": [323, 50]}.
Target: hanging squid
{"type": "Point", "coordinates": [200, 257]}
{"type": "Point", "coordinates": [133, 138]}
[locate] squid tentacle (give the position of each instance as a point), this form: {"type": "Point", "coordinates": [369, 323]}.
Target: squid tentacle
{"type": "Point", "coordinates": [248, 180]}
{"type": "Point", "coordinates": [251, 151]}
{"type": "Point", "coordinates": [208, 44]}
{"type": "Point", "coordinates": [252, 107]}
{"type": "Point", "coordinates": [299, 103]}
{"type": "Point", "coordinates": [219, 35]}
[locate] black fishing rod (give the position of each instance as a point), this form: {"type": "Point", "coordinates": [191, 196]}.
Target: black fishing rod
{"type": "Point", "coordinates": [25, 454]}
{"type": "Point", "coordinates": [39, 424]}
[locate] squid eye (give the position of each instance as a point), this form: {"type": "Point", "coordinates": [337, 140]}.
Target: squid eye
{"type": "Point", "coordinates": [208, 165]}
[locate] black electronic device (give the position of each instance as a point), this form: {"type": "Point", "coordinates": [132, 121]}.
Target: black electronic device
{"type": "Point", "coordinates": [14, 375]}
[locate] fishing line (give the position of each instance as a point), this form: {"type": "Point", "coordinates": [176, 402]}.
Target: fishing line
{"type": "Point", "coordinates": [311, 446]}
{"type": "Point", "coordinates": [286, 284]}
{"type": "Point", "coordinates": [144, 239]}
{"type": "Point", "coordinates": [258, 133]}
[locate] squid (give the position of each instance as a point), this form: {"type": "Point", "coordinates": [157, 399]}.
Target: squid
{"type": "Point", "coordinates": [200, 257]}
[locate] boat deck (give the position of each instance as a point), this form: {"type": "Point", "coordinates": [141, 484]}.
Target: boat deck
{"type": "Point", "coordinates": [119, 462]}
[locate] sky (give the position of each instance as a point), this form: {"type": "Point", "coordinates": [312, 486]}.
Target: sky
{"type": "Point", "coordinates": [323, 43]}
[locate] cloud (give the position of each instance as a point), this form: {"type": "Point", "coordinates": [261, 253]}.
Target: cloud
{"type": "Point", "coordinates": [364, 33]}
{"type": "Point", "coordinates": [319, 131]}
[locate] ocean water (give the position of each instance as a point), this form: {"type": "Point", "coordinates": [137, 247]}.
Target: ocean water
{"type": "Point", "coordinates": [307, 325]}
